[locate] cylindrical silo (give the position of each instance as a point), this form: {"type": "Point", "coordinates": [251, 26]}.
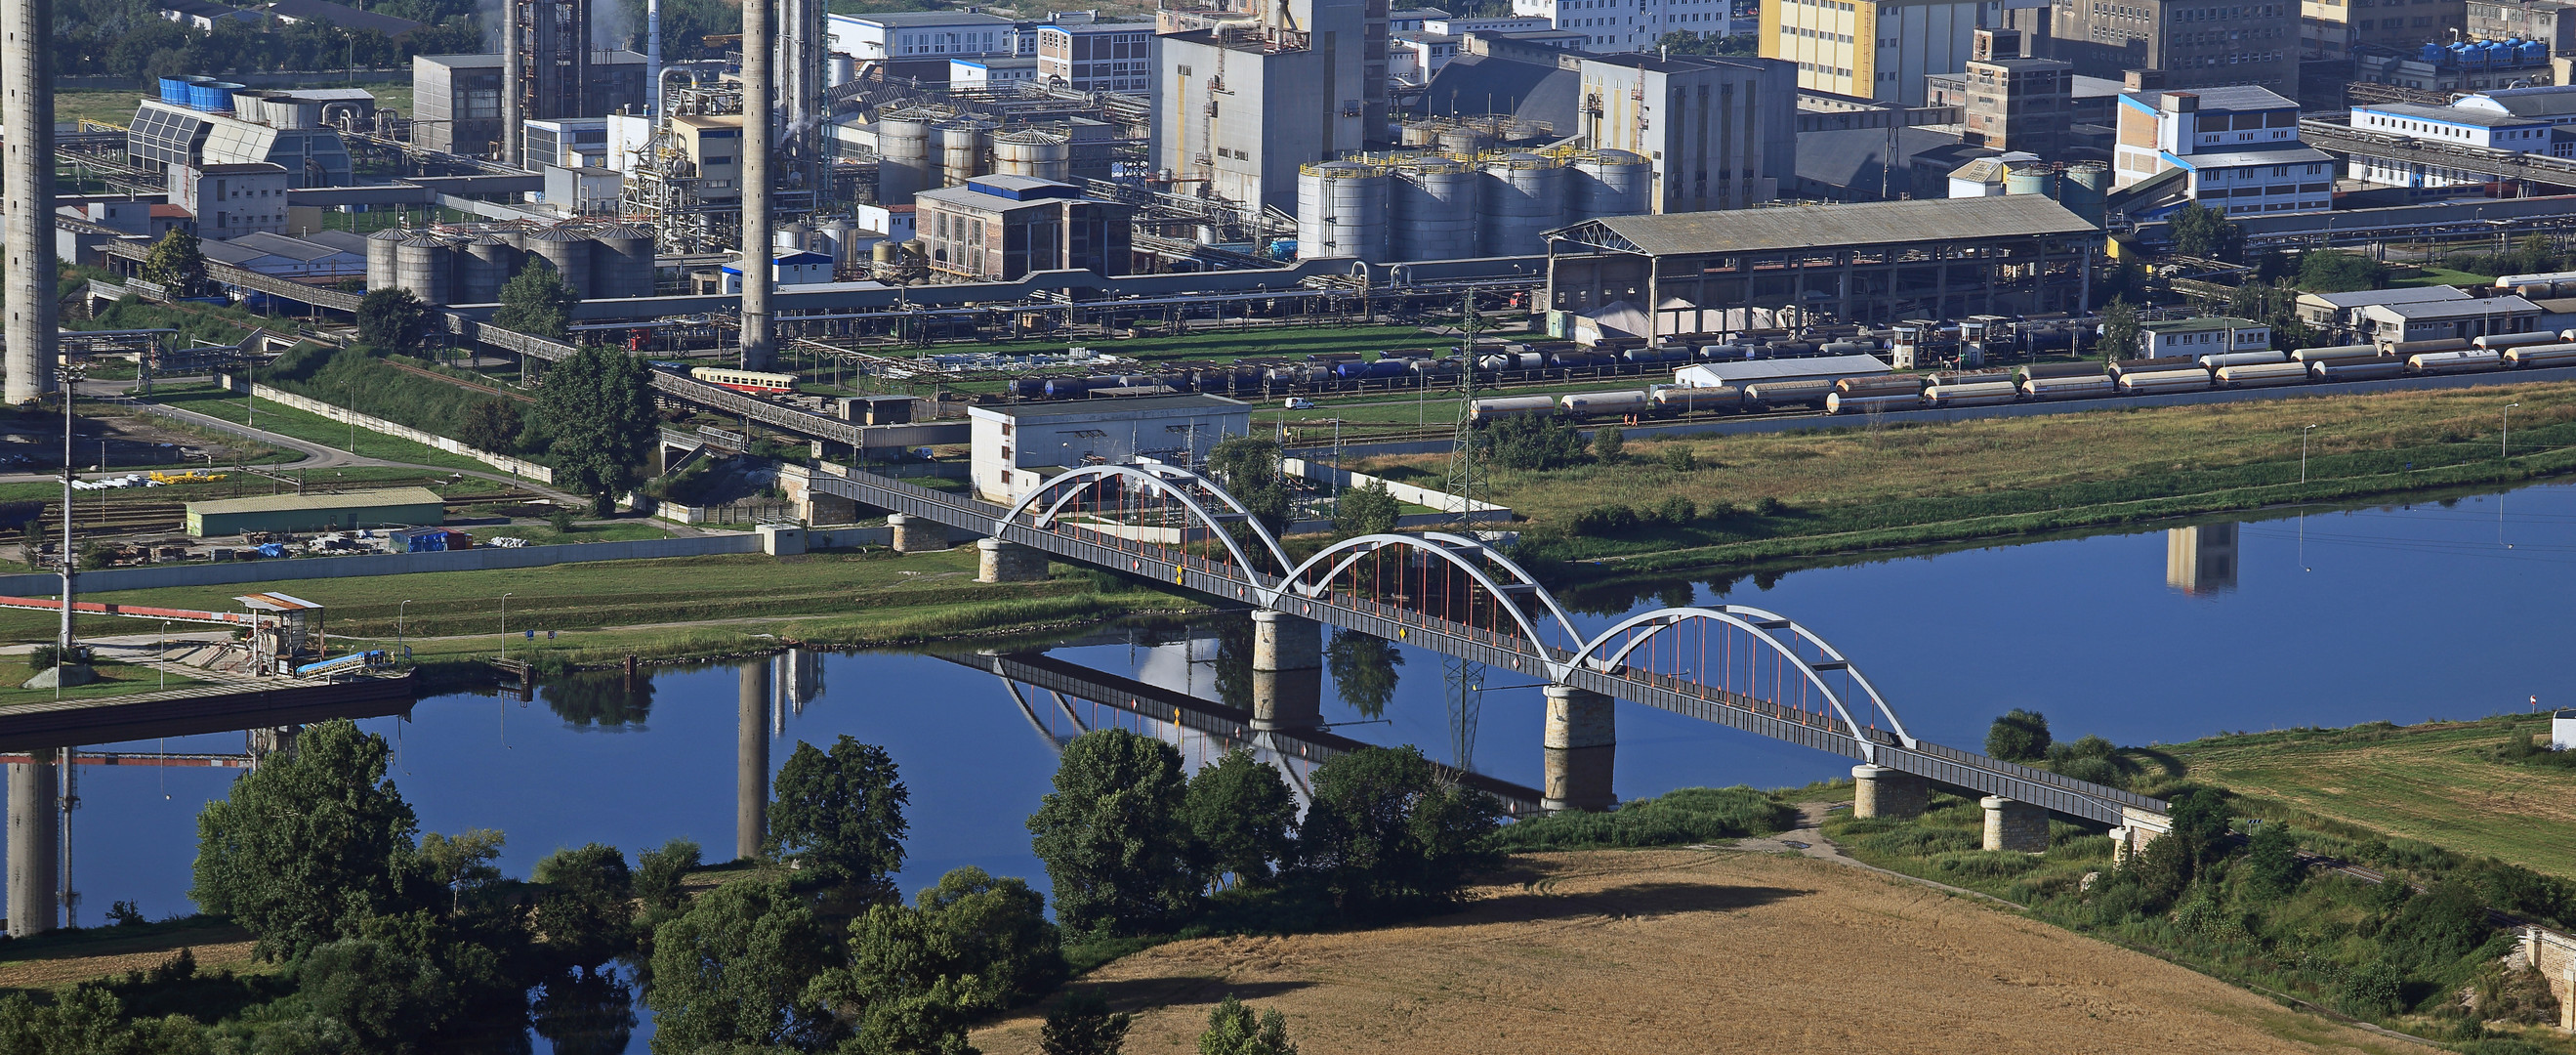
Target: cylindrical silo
{"type": "Point", "coordinates": [621, 263]}
{"type": "Point", "coordinates": [381, 256]}
{"type": "Point", "coordinates": [1610, 183]}
{"type": "Point", "coordinates": [961, 145]}
{"type": "Point", "coordinates": [1465, 139]}
{"type": "Point", "coordinates": [1524, 198]}
{"type": "Point", "coordinates": [1034, 153]}
{"type": "Point", "coordinates": [2086, 190]}
{"type": "Point", "coordinates": [842, 69]}
{"type": "Point", "coordinates": [844, 237]}
{"type": "Point", "coordinates": [421, 265]}
{"type": "Point", "coordinates": [903, 156]}
{"type": "Point", "coordinates": [2027, 179]}
{"type": "Point", "coordinates": [568, 252]}
{"type": "Point", "coordinates": [482, 268]}
{"type": "Point", "coordinates": [1433, 204]}
{"type": "Point", "coordinates": [1342, 211]}
{"type": "Point", "coordinates": [794, 237]}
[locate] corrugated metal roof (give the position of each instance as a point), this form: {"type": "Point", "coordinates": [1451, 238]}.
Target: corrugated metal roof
{"type": "Point", "coordinates": [2451, 309]}
{"type": "Point", "coordinates": [2399, 295]}
{"type": "Point", "coordinates": [391, 496]}
{"type": "Point", "coordinates": [1866, 223]}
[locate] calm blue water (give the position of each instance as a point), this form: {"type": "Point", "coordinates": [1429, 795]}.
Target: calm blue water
{"type": "Point", "coordinates": [2387, 613]}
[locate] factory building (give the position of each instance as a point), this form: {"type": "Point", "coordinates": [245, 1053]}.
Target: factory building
{"type": "Point", "coordinates": [1721, 133]}
{"type": "Point", "coordinates": [2015, 102]}
{"type": "Point", "coordinates": [2186, 43]}
{"type": "Point", "coordinates": [348, 510]}
{"type": "Point", "coordinates": [213, 128]}
{"type": "Point", "coordinates": [1628, 25]}
{"type": "Point", "coordinates": [1015, 442]}
{"type": "Point", "coordinates": [1871, 262]}
{"type": "Point", "coordinates": [2240, 146]}
{"type": "Point", "coordinates": [229, 201]}
{"type": "Point", "coordinates": [1239, 107]}
{"type": "Point", "coordinates": [1098, 56]}
{"type": "Point", "coordinates": [1875, 50]}
{"type": "Point", "coordinates": [1004, 227]}
{"type": "Point", "coordinates": [920, 43]}
{"type": "Point", "coordinates": [458, 104]}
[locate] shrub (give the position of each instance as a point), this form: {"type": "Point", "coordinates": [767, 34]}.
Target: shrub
{"type": "Point", "coordinates": [2021, 736]}
{"type": "Point", "coordinates": [1769, 506]}
{"type": "Point", "coordinates": [1678, 818]}
{"type": "Point", "coordinates": [1536, 443]}
{"type": "Point", "coordinates": [1676, 510]}
{"type": "Point", "coordinates": [1603, 520]}
{"type": "Point", "coordinates": [1679, 458]}
{"type": "Point", "coordinates": [1609, 443]}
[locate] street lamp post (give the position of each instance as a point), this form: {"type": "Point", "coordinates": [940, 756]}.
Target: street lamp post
{"type": "Point", "coordinates": [2303, 453]}
{"type": "Point", "coordinates": [2504, 443]}
{"type": "Point", "coordinates": [505, 626]}
{"type": "Point", "coordinates": [398, 625]}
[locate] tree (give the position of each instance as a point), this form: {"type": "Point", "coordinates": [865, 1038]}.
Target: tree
{"type": "Point", "coordinates": [1364, 670]}
{"type": "Point", "coordinates": [733, 971]}
{"type": "Point", "coordinates": [1248, 468]}
{"type": "Point", "coordinates": [491, 425]}
{"type": "Point", "coordinates": [1112, 836]}
{"type": "Point", "coordinates": [598, 406]}
{"type": "Point", "coordinates": [176, 262]}
{"type": "Point", "coordinates": [1609, 442]}
{"type": "Point", "coordinates": [2272, 860]}
{"type": "Point", "coordinates": [584, 912]}
{"type": "Point", "coordinates": [538, 302]}
{"type": "Point", "coordinates": [658, 873]}
{"type": "Point", "coordinates": [1366, 510]}
{"type": "Point", "coordinates": [2205, 232]}
{"type": "Point", "coordinates": [1532, 442]}
{"type": "Point", "coordinates": [392, 320]}
{"type": "Point", "coordinates": [388, 999]}
{"type": "Point", "coordinates": [1685, 42]}
{"type": "Point", "coordinates": [2334, 271]}
{"type": "Point", "coordinates": [1084, 1025]}
{"type": "Point", "coordinates": [2119, 330]}
{"type": "Point", "coordinates": [1386, 833]}
{"type": "Point", "coordinates": [2021, 736]}
{"type": "Point", "coordinates": [971, 945]}
{"type": "Point", "coordinates": [1232, 1031]}
{"type": "Point", "coordinates": [310, 844]}
{"type": "Point", "coordinates": [1243, 816]}
{"type": "Point", "coordinates": [586, 1013]}
{"type": "Point", "coordinates": [840, 815]}
{"type": "Point", "coordinates": [463, 863]}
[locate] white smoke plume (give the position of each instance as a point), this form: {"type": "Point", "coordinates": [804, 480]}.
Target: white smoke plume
{"type": "Point", "coordinates": [612, 26]}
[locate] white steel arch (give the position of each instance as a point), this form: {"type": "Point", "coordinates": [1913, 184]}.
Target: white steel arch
{"type": "Point", "coordinates": [1159, 481]}
{"type": "Point", "coordinates": [1351, 550]}
{"type": "Point", "coordinates": [1759, 624]}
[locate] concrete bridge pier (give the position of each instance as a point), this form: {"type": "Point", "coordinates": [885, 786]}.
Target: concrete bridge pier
{"type": "Point", "coordinates": [35, 815]}
{"type": "Point", "coordinates": [999, 561]}
{"type": "Point", "coordinates": [916, 534]}
{"type": "Point", "coordinates": [2139, 828]}
{"type": "Point", "coordinates": [751, 759]}
{"type": "Point", "coordinates": [1581, 740]}
{"type": "Point", "coordinates": [1878, 791]}
{"type": "Point", "coordinates": [2015, 825]}
{"type": "Point", "coordinates": [1285, 642]}
{"type": "Point", "coordinates": [1287, 671]}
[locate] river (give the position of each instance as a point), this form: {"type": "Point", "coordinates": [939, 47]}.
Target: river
{"type": "Point", "coordinates": [2436, 610]}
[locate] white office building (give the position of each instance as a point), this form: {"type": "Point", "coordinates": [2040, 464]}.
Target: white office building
{"type": "Point", "coordinates": [1098, 56]}
{"type": "Point", "coordinates": [1630, 25]}
{"type": "Point", "coordinates": [915, 35]}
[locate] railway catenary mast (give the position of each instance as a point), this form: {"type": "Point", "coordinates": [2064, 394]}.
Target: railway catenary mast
{"type": "Point", "coordinates": [759, 50]}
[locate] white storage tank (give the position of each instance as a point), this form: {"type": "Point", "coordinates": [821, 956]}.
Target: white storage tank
{"type": "Point", "coordinates": [381, 256]}
{"type": "Point", "coordinates": [1610, 183]}
{"type": "Point", "coordinates": [621, 262]}
{"type": "Point", "coordinates": [1524, 198]}
{"type": "Point", "coordinates": [1342, 211]}
{"type": "Point", "coordinates": [1034, 153]}
{"type": "Point", "coordinates": [903, 156]}
{"type": "Point", "coordinates": [2259, 375]}
{"type": "Point", "coordinates": [1434, 208]}
{"type": "Point", "coordinates": [568, 252]}
{"type": "Point", "coordinates": [961, 145]}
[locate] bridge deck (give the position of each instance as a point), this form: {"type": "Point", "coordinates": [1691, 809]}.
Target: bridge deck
{"type": "Point", "coordinates": [1944, 765]}
{"type": "Point", "coordinates": [201, 708]}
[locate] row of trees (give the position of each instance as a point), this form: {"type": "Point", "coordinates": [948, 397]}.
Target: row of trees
{"type": "Point", "coordinates": [129, 38]}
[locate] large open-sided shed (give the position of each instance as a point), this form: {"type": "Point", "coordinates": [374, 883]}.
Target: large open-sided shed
{"type": "Point", "coordinates": [1874, 262]}
{"type": "Point", "coordinates": [388, 507]}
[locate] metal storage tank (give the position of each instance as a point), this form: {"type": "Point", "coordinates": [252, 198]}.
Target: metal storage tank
{"type": "Point", "coordinates": [1465, 139]}
{"type": "Point", "coordinates": [1611, 183]}
{"type": "Point", "coordinates": [212, 95]}
{"type": "Point", "coordinates": [1034, 153]}
{"type": "Point", "coordinates": [1432, 202]}
{"type": "Point", "coordinates": [795, 236]}
{"type": "Point", "coordinates": [903, 156]}
{"type": "Point", "coordinates": [285, 111]}
{"type": "Point", "coordinates": [569, 254]}
{"type": "Point", "coordinates": [2086, 190]}
{"type": "Point", "coordinates": [2028, 179]}
{"type": "Point", "coordinates": [1523, 199]}
{"type": "Point", "coordinates": [174, 90]}
{"type": "Point", "coordinates": [842, 69]}
{"type": "Point", "coordinates": [621, 262]}
{"type": "Point", "coordinates": [421, 265]}
{"type": "Point", "coordinates": [1342, 211]}
{"type": "Point", "coordinates": [844, 237]}
{"type": "Point", "coordinates": [961, 145]}
{"type": "Point", "coordinates": [483, 268]}
{"type": "Point", "coordinates": [381, 256]}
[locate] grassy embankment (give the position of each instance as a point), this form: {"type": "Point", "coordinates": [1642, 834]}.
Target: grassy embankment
{"type": "Point", "coordinates": [311, 428]}
{"type": "Point", "coordinates": [1809, 494]}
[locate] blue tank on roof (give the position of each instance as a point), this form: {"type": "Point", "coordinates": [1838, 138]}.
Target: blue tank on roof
{"type": "Point", "coordinates": [2429, 53]}
{"type": "Point", "coordinates": [2535, 51]}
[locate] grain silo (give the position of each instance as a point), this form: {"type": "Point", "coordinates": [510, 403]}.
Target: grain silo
{"type": "Point", "coordinates": [421, 264]}
{"type": "Point", "coordinates": [568, 252]}
{"type": "Point", "coordinates": [1342, 211]}
{"type": "Point", "coordinates": [621, 263]}
{"type": "Point", "coordinates": [382, 256]}
{"type": "Point", "coordinates": [1433, 201]}
{"type": "Point", "coordinates": [1523, 198]}
{"type": "Point", "coordinates": [1609, 183]}
{"type": "Point", "coordinates": [1034, 153]}
{"type": "Point", "coordinates": [483, 266]}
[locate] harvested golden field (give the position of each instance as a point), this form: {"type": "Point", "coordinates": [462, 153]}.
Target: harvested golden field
{"type": "Point", "coordinates": [1674, 951]}
{"type": "Point", "coordinates": [103, 953]}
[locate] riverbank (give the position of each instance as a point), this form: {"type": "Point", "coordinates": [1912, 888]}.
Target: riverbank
{"type": "Point", "coordinates": [1798, 496]}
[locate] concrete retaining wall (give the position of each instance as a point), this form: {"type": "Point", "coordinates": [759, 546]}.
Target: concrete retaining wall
{"type": "Point", "coordinates": [503, 462]}
{"type": "Point", "coordinates": [479, 559]}
{"type": "Point", "coordinates": [1443, 501]}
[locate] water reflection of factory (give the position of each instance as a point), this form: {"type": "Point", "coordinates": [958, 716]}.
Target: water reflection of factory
{"type": "Point", "coordinates": [2201, 559]}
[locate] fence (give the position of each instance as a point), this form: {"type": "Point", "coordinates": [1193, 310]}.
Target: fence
{"type": "Point", "coordinates": [479, 559]}
{"type": "Point", "coordinates": [515, 466]}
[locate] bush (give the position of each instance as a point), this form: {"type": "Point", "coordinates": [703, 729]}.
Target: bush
{"type": "Point", "coordinates": [2021, 736]}
{"type": "Point", "coordinates": [1609, 443]}
{"type": "Point", "coordinates": [1678, 818]}
{"type": "Point", "coordinates": [1676, 511]}
{"type": "Point", "coordinates": [1605, 520]}
{"type": "Point", "coordinates": [1769, 506]}
{"type": "Point", "coordinates": [1534, 443]}
{"type": "Point", "coordinates": [1679, 458]}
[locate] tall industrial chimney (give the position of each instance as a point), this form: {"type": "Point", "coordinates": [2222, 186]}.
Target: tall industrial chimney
{"type": "Point", "coordinates": [759, 50]}
{"type": "Point", "coordinates": [513, 77]}
{"type": "Point", "coordinates": [653, 57]}
{"type": "Point", "coordinates": [27, 193]}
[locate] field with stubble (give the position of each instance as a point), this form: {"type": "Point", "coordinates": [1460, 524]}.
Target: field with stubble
{"type": "Point", "coordinates": [1670, 951]}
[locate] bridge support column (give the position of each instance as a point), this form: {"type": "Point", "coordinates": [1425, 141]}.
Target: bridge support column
{"type": "Point", "coordinates": [1285, 642]}
{"type": "Point", "coordinates": [2015, 825]}
{"type": "Point", "coordinates": [1878, 791]}
{"type": "Point", "coordinates": [1581, 740]}
{"type": "Point", "coordinates": [999, 561]}
{"type": "Point", "coordinates": [915, 535]}
{"type": "Point", "coordinates": [751, 758]}
{"type": "Point", "coordinates": [2141, 828]}
{"type": "Point", "coordinates": [35, 792]}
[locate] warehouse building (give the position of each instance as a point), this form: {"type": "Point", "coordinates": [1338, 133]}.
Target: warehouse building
{"type": "Point", "coordinates": [391, 507]}
{"type": "Point", "coordinates": [1872, 262]}
{"type": "Point", "coordinates": [1016, 443]}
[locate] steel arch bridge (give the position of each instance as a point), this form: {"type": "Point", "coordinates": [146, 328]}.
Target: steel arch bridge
{"type": "Point", "coordinates": [1738, 666]}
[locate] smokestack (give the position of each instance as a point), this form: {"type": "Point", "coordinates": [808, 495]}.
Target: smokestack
{"type": "Point", "coordinates": [511, 61]}
{"type": "Point", "coordinates": [27, 192]}
{"type": "Point", "coordinates": [759, 50]}
{"type": "Point", "coordinates": [653, 57]}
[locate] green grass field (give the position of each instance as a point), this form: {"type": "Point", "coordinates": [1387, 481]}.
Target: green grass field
{"type": "Point", "coordinates": [311, 428]}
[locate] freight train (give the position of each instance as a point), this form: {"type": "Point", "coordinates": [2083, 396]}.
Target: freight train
{"type": "Point", "coordinates": [1854, 395]}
